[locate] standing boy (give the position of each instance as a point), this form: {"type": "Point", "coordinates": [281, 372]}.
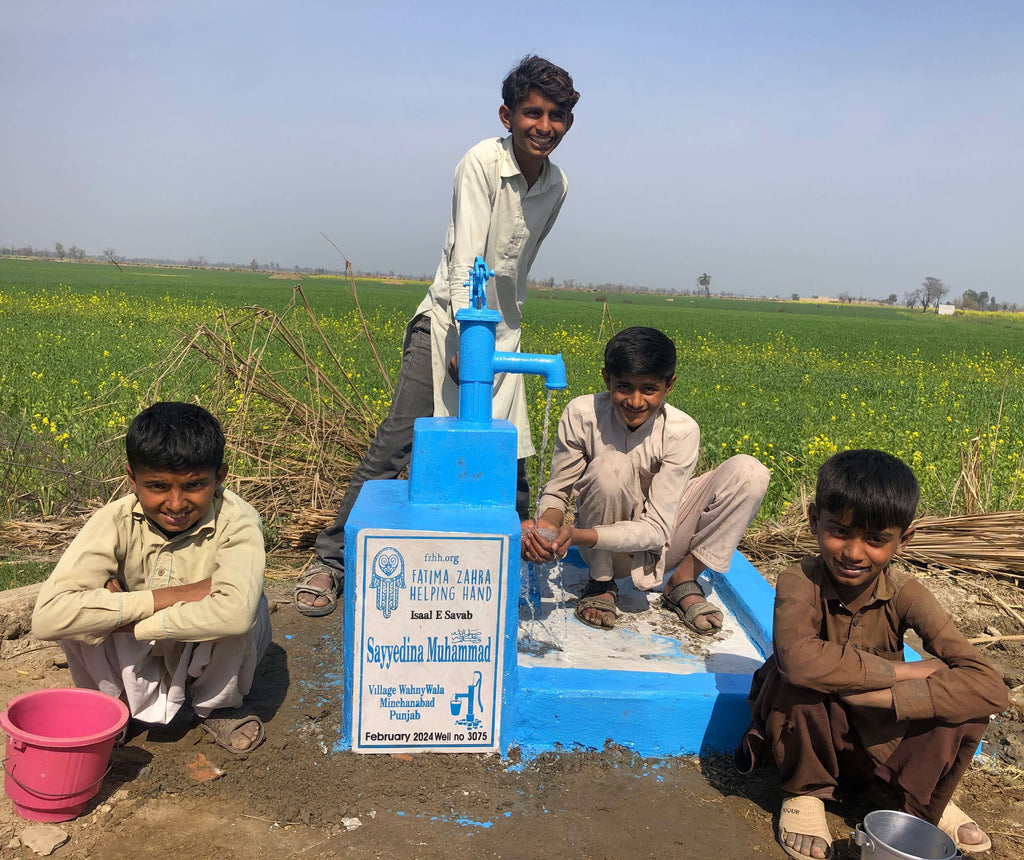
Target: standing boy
{"type": "Point", "coordinates": [160, 595]}
{"type": "Point", "coordinates": [506, 199]}
{"type": "Point", "coordinates": [836, 703]}
{"type": "Point", "coordinates": [629, 457]}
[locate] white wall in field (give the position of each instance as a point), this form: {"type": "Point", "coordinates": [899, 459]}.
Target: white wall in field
{"type": "Point", "coordinates": [946, 310]}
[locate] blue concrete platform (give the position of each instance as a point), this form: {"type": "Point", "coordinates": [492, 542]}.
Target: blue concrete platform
{"type": "Point", "coordinates": [648, 685]}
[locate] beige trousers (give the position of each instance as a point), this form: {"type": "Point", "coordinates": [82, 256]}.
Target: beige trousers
{"type": "Point", "coordinates": [215, 674]}
{"type": "Point", "coordinates": [713, 514]}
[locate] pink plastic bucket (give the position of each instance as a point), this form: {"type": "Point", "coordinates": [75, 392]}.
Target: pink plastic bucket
{"type": "Point", "coordinates": [58, 749]}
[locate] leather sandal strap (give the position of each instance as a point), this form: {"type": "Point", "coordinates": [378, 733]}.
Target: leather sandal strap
{"type": "Point", "coordinates": [597, 587]}
{"type": "Point", "coordinates": [685, 589]}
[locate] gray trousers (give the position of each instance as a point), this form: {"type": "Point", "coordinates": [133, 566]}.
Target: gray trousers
{"type": "Point", "coordinates": [391, 448]}
{"type": "Point", "coordinates": [713, 514]}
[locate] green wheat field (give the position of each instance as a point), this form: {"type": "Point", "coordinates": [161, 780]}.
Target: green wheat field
{"type": "Point", "coordinates": [81, 346]}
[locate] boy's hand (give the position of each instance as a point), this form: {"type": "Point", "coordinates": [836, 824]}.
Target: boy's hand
{"type": "Point", "coordinates": [191, 592]}
{"type": "Point", "coordinates": [918, 670]}
{"type": "Point", "coordinates": [544, 541]}
{"type": "Point", "coordinates": [869, 699]}
{"type": "Point", "coordinates": [165, 597]}
{"type": "Point", "coordinates": [563, 540]}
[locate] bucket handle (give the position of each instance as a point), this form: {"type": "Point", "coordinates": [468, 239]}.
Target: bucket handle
{"type": "Point", "coordinates": [44, 794]}
{"type": "Point", "coordinates": [863, 840]}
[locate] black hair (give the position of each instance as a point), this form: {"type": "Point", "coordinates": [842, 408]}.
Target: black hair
{"type": "Point", "coordinates": [878, 489]}
{"type": "Point", "coordinates": [640, 351]}
{"type": "Point", "coordinates": [174, 437]}
{"type": "Point", "coordinates": [535, 73]}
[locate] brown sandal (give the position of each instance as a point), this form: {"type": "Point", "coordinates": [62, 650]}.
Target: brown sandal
{"type": "Point", "coordinates": [592, 599]}
{"type": "Point", "coordinates": [223, 722]}
{"type": "Point", "coordinates": [673, 599]}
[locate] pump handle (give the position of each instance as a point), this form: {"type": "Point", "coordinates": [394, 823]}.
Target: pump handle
{"type": "Point", "coordinates": [477, 283]}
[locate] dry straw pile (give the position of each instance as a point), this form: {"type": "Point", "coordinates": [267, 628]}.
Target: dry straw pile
{"type": "Point", "coordinates": [296, 435]}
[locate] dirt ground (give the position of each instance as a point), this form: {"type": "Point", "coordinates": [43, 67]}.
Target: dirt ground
{"type": "Point", "coordinates": [294, 798]}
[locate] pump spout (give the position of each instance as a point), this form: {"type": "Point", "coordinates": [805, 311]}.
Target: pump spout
{"type": "Point", "coordinates": [551, 367]}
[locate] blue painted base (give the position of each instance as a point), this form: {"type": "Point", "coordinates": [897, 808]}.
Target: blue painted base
{"type": "Point", "coordinates": [651, 713]}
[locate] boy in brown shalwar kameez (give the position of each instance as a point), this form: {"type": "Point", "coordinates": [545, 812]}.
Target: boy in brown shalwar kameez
{"type": "Point", "coordinates": [836, 699]}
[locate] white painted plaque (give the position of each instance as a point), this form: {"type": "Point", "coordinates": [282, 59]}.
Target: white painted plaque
{"type": "Point", "coordinates": [428, 641]}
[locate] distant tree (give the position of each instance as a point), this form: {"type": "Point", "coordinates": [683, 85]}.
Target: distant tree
{"type": "Point", "coordinates": [845, 299]}
{"type": "Point", "coordinates": [910, 299]}
{"type": "Point", "coordinates": [932, 291]}
{"type": "Point", "coordinates": [986, 302]}
{"type": "Point", "coordinates": [111, 255]}
{"type": "Point", "coordinates": [892, 298]}
{"type": "Point", "coordinates": [59, 248]}
{"type": "Point", "coordinates": [704, 282]}
{"type": "Point", "coordinates": [76, 253]}
{"type": "Point", "coordinates": [253, 264]}
{"type": "Point", "coordinates": [794, 297]}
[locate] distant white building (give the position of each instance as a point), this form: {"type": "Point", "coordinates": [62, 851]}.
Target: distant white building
{"type": "Point", "coordinates": [946, 310]}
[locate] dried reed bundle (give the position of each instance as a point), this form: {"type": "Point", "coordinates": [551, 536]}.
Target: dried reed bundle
{"type": "Point", "coordinates": [300, 527]}
{"type": "Point", "coordinates": [40, 539]}
{"type": "Point", "coordinates": [990, 543]}
{"type": "Point", "coordinates": [295, 434]}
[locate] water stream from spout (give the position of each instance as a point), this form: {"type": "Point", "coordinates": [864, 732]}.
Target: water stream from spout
{"type": "Point", "coordinates": [549, 571]}
{"type": "Point", "coordinates": [543, 445]}
{"type": "Point", "coordinates": [555, 569]}
{"type": "Point", "coordinates": [530, 593]}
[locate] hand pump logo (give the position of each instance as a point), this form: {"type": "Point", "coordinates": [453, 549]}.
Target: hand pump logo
{"type": "Point", "coordinates": [388, 577]}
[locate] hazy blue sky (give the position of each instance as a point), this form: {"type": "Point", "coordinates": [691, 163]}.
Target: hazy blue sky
{"type": "Point", "coordinates": [809, 147]}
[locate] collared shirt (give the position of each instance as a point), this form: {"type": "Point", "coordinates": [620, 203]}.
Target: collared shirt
{"type": "Point", "coordinates": [496, 216]}
{"type": "Point", "coordinates": [822, 644]}
{"type": "Point", "coordinates": [664, 449]}
{"type": "Point", "coordinates": [225, 546]}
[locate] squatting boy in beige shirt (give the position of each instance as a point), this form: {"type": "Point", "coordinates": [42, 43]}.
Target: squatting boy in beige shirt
{"type": "Point", "coordinates": [159, 599]}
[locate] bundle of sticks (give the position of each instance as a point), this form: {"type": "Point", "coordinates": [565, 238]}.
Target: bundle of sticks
{"type": "Point", "coordinates": [990, 543]}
